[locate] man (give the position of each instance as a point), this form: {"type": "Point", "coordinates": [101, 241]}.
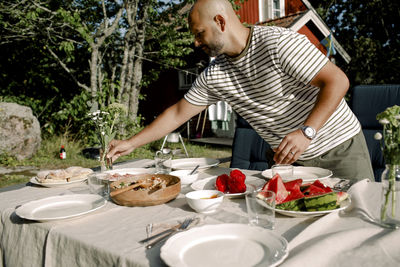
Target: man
{"type": "Point", "coordinates": [289, 92]}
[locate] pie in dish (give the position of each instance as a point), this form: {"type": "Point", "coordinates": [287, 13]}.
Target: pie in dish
{"type": "Point", "coordinates": [63, 175]}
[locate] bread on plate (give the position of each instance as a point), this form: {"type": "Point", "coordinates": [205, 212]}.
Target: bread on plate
{"type": "Point", "coordinates": [63, 175]}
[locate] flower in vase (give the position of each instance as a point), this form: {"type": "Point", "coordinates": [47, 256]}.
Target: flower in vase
{"type": "Point", "coordinates": [378, 136]}
{"type": "Point", "coordinates": [105, 121]}
{"type": "Point", "coordinates": [390, 145]}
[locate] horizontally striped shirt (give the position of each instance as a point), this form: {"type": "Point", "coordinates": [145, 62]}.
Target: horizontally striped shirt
{"type": "Point", "coordinates": [268, 84]}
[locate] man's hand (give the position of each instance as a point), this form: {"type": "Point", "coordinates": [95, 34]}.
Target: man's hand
{"type": "Point", "coordinates": [118, 148]}
{"type": "Point", "coordinates": [166, 122]}
{"type": "Point", "coordinates": [291, 147]}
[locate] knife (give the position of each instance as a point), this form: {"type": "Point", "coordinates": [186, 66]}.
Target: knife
{"type": "Point", "coordinates": [173, 228]}
{"type": "Point", "coordinates": [183, 226]}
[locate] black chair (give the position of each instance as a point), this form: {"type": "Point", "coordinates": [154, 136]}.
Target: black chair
{"type": "Point", "coordinates": [248, 148]}
{"type": "Point", "coordinates": [366, 102]}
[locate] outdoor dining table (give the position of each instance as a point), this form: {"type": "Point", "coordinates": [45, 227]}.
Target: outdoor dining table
{"type": "Point", "coordinates": [109, 236]}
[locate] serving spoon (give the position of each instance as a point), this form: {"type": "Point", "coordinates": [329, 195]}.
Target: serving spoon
{"type": "Point", "coordinates": [195, 169]}
{"type": "Point", "coordinates": [130, 187]}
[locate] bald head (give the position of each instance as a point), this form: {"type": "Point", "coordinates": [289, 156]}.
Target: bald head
{"type": "Point", "coordinates": [206, 10]}
{"type": "Point", "coordinates": [216, 28]}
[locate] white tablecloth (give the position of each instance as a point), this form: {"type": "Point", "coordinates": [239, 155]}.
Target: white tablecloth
{"type": "Point", "coordinates": [109, 236]}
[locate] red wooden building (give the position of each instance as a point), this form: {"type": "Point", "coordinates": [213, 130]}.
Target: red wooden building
{"type": "Point", "coordinates": [297, 15]}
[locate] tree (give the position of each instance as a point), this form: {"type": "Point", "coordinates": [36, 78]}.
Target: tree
{"type": "Point", "coordinates": [110, 35]}
{"type": "Point", "coordinates": [370, 32]}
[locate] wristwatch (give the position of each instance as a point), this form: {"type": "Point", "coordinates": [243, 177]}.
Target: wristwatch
{"type": "Point", "coordinates": [308, 131]}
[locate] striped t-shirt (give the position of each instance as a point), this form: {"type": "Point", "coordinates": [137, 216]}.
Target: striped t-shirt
{"type": "Point", "coordinates": [268, 84]}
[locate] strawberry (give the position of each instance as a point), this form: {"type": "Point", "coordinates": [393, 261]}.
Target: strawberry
{"type": "Point", "coordinates": [236, 185]}
{"type": "Point", "coordinates": [236, 182]}
{"type": "Point", "coordinates": [232, 183]}
{"type": "Point", "coordinates": [222, 183]}
{"type": "Point", "coordinates": [238, 175]}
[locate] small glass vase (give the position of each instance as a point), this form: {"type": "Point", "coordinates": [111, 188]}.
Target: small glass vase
{"type": "Point", "coordinates": [103, 162]}
{"type": "Point", "coordinates": [103, 166]}
{"type": "Point", "coordinates": [390, 209]}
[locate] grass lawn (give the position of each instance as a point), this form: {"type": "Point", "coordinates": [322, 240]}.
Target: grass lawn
{"type": "Point", "coordinates": [48, 158]}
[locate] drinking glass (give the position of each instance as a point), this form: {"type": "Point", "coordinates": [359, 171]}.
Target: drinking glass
{"type": "Point", "coordinates": [284, 170]}
{"type": "Point", "coordinates": [261, 208]}
{"type": "Point", "coordinates": [162, 162]}
{"type": "Point", "coordinates": [98, 184]}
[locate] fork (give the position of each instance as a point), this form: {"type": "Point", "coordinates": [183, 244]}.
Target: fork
{"type": "Point", "coordinates": [341, 185]}
{"type": "Point", "coordinates": [183, 226]}
{"type": "Point", "coordinates": [388, 225]}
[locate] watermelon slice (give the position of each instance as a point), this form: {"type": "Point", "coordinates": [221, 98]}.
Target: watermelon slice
{"type": "Point", "coordinates": [313, 190]}
{"type": "Point", "coordinates": [293, 184]}
{"type": "Point", "coordinates": [294, 194]}
{"type": "Point", "coordinates": [276, 185]}
{"type": "Point", "coordinates": [341, 196]}
{"type": "Point", "coordinates": [326, 189]}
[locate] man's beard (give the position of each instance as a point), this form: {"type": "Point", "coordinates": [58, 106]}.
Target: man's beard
{"type": "Point", "coordinates": [214, 48]}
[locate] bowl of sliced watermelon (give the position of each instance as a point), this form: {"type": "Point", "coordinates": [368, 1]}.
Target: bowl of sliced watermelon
{"type": "Point", "coordinates": [298, 199]}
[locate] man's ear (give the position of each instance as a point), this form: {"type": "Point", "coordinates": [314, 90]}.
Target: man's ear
{"type": "Point", "coordinates": [220, 20]}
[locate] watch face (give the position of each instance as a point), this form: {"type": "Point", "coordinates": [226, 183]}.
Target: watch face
{"type": "Point", "coordinates": [308, 131]}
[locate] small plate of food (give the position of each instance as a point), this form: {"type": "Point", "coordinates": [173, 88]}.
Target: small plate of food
{"type": "Point", "coordinates": [61, 177]}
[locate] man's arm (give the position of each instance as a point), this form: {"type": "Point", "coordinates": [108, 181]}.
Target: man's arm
{"type": "Point", "coordinates": [333, 84]}
{"type": "Point", "coordinates": [165, 123]}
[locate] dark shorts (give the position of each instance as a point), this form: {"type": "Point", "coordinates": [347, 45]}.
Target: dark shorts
{"type": "Point", "coordinates": [349, 160]}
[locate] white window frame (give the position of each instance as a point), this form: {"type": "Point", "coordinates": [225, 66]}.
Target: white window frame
{"type": "Point", "coordinates": [266, 9]}
{"type": "Point", "coordinates": [186, 78]}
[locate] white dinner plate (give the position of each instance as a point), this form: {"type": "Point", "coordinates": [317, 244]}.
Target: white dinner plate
{"type": "Point", "coordinates": [133, 171]}
{"type": "Point", "coordinates": [252, 183]}
{"type": "Point", "coordinates": [191, 163]}
{"type": "Point", "coordinates": [308, 174]}
{"type": "Point", "coordinates": [60, 207]}
{"type": "Point", "coordinates": [344, 204]}
{"type": "Point", "coordinates": [34, 180]}
{"type": "Point", "coordinates": [223, 245]}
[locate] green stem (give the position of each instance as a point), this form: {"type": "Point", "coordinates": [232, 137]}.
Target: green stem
{"type": "Point", "coordinates": [105, 144]}
{"type": "Point", "coordinates": [391, 190]}
{"type": "Point", "coordinates": [394, 200]}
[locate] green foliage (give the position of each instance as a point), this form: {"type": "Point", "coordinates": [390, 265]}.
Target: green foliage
{"type": "Point", "coordinates": [390, 119]}
{"type": "Point", "coordinates": [71, 118]}
{"type": "Point", "coordinates": [168, 39]}
{"type": "Point", "coordinates": [369, 31]}
{"type": "Point", "coordinates": [7, 160]}
{"type": "Point", "coordinates": [13, 179]}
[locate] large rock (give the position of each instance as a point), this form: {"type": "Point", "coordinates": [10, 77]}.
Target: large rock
{"type": "Point", "coordinates": [19, 131]}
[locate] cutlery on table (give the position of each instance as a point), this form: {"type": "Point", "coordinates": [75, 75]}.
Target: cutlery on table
{"type": "Point", "coordinates": [167, 233]}
{"type": "Point", "coordinates": [342, 185]}
{"type": "Point", "coordinates": [173, 228]}
{"type": "Point", "coordinates": [195, 169]}
{"type": "Point", "coordinates": [368, 218]}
